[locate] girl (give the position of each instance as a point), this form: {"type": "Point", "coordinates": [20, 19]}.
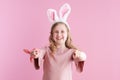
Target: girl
{"type": "Point", "coordinates": [59, 55]}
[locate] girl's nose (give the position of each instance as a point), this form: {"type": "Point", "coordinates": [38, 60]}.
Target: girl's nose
{"type": "Point", "coordinates": [59, 34]}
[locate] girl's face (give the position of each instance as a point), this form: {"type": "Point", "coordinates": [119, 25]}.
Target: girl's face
{"type": "Point", "coordinates": [60, 34]}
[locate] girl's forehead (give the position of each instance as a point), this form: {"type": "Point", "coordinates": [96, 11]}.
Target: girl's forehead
{"type": "Point", "coordinates": [60, 27]}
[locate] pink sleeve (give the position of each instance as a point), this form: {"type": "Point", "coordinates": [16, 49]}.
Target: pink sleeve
{"type": "Point", "coordinates": [42, 54]}
{"type": "Point", "coordinates": [79, 65]}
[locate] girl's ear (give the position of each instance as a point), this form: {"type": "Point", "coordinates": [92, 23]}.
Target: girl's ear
{"type": "Point", "coordinates": [64, 11]}
{"type": "Point", "coordinates": [52, 15]}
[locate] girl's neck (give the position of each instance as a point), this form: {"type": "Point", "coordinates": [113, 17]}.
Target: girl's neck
{"type": "Point", "coordinates": [62, 46]}
{"type": "Point", "coordinates": [61, 49]}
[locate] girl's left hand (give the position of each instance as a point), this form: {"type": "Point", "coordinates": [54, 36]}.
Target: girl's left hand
{"type": "Point", "coordinates": [79, 55]}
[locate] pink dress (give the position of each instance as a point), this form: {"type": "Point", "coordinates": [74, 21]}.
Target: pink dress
{"type": "Point", "coordinates": [58, 66]}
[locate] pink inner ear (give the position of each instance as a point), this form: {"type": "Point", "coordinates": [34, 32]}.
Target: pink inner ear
{"type": "Point", "coordinates": [65, 10]}
{"type": "Point", "coordinates": [52, 15]}
{"type": "Point", "coordinates": [26, 51]}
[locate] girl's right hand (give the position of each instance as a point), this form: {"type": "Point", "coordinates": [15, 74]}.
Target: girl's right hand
{"type": "Point", "coordinates": [35, 53]}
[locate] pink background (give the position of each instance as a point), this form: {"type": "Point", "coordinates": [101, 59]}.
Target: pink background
{"type": "Point", "coordinates": [95, 29]}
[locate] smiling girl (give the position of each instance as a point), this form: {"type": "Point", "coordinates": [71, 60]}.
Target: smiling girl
{"type": "Point", "coordinates": [60, 54]}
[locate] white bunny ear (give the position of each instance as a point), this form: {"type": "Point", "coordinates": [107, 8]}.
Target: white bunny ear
{"type": "Point", "coordinates": [52, 15]}
{"type": "Point", "coordinates": [64, 11]}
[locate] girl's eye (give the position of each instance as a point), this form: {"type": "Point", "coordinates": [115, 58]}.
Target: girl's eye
{"type": "Point", "coordinates": [56, 32]}
{"type": "Point", "coordinates": [59, 31]}
{"type": "Point", "coordinates": [62, 31]}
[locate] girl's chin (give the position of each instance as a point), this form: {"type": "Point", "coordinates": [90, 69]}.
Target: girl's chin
{"type": "Point", "coordinates": [60, 42]}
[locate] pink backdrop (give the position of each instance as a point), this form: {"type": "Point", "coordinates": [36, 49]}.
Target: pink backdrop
{"type": "Point", "coordinates": [95, 28]}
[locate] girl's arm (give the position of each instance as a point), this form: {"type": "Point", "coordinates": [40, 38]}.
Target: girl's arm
{"type": "Point", "coordinates": [38, 57]}
{"type": "Point", "coordinates": [79, 57]}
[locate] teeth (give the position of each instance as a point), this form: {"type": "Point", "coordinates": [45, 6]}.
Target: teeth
{"type": "Point", "coordinates": [59, 38]}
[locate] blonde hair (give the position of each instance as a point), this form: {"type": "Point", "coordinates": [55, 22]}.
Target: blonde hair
{"type": "Point", "coordinates": [53, 47]}
{"type": "Point", "coordinates": [68, 42]}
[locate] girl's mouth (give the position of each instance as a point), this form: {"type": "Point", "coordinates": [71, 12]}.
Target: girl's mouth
{"type": "Point", "coordinates": [59, 38]}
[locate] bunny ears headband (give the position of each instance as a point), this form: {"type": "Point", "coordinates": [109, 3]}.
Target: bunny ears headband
{"type": "Point", "coordinates": [63, 14]}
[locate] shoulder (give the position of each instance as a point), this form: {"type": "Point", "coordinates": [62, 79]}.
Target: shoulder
{"type": "Point", "coordinates": [44, 49]}
{"type": "Point", "coordinates": [71, 51]}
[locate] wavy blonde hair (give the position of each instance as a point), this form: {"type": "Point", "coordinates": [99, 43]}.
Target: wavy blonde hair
{"type": "Point", "coordinates": [68, 42]}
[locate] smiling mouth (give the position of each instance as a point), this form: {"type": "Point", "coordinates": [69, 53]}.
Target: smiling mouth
{"type": "Point", "coordinates": [59, 38]}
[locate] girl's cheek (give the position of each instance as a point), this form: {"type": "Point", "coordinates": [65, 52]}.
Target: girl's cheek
{"type": "Point", "coordinates": [65, 36]}
{"type": "Point", "coordinates": [54, 36]}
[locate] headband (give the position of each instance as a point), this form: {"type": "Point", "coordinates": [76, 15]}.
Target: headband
{"type": "Point", "coordinates": [63, 14]}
